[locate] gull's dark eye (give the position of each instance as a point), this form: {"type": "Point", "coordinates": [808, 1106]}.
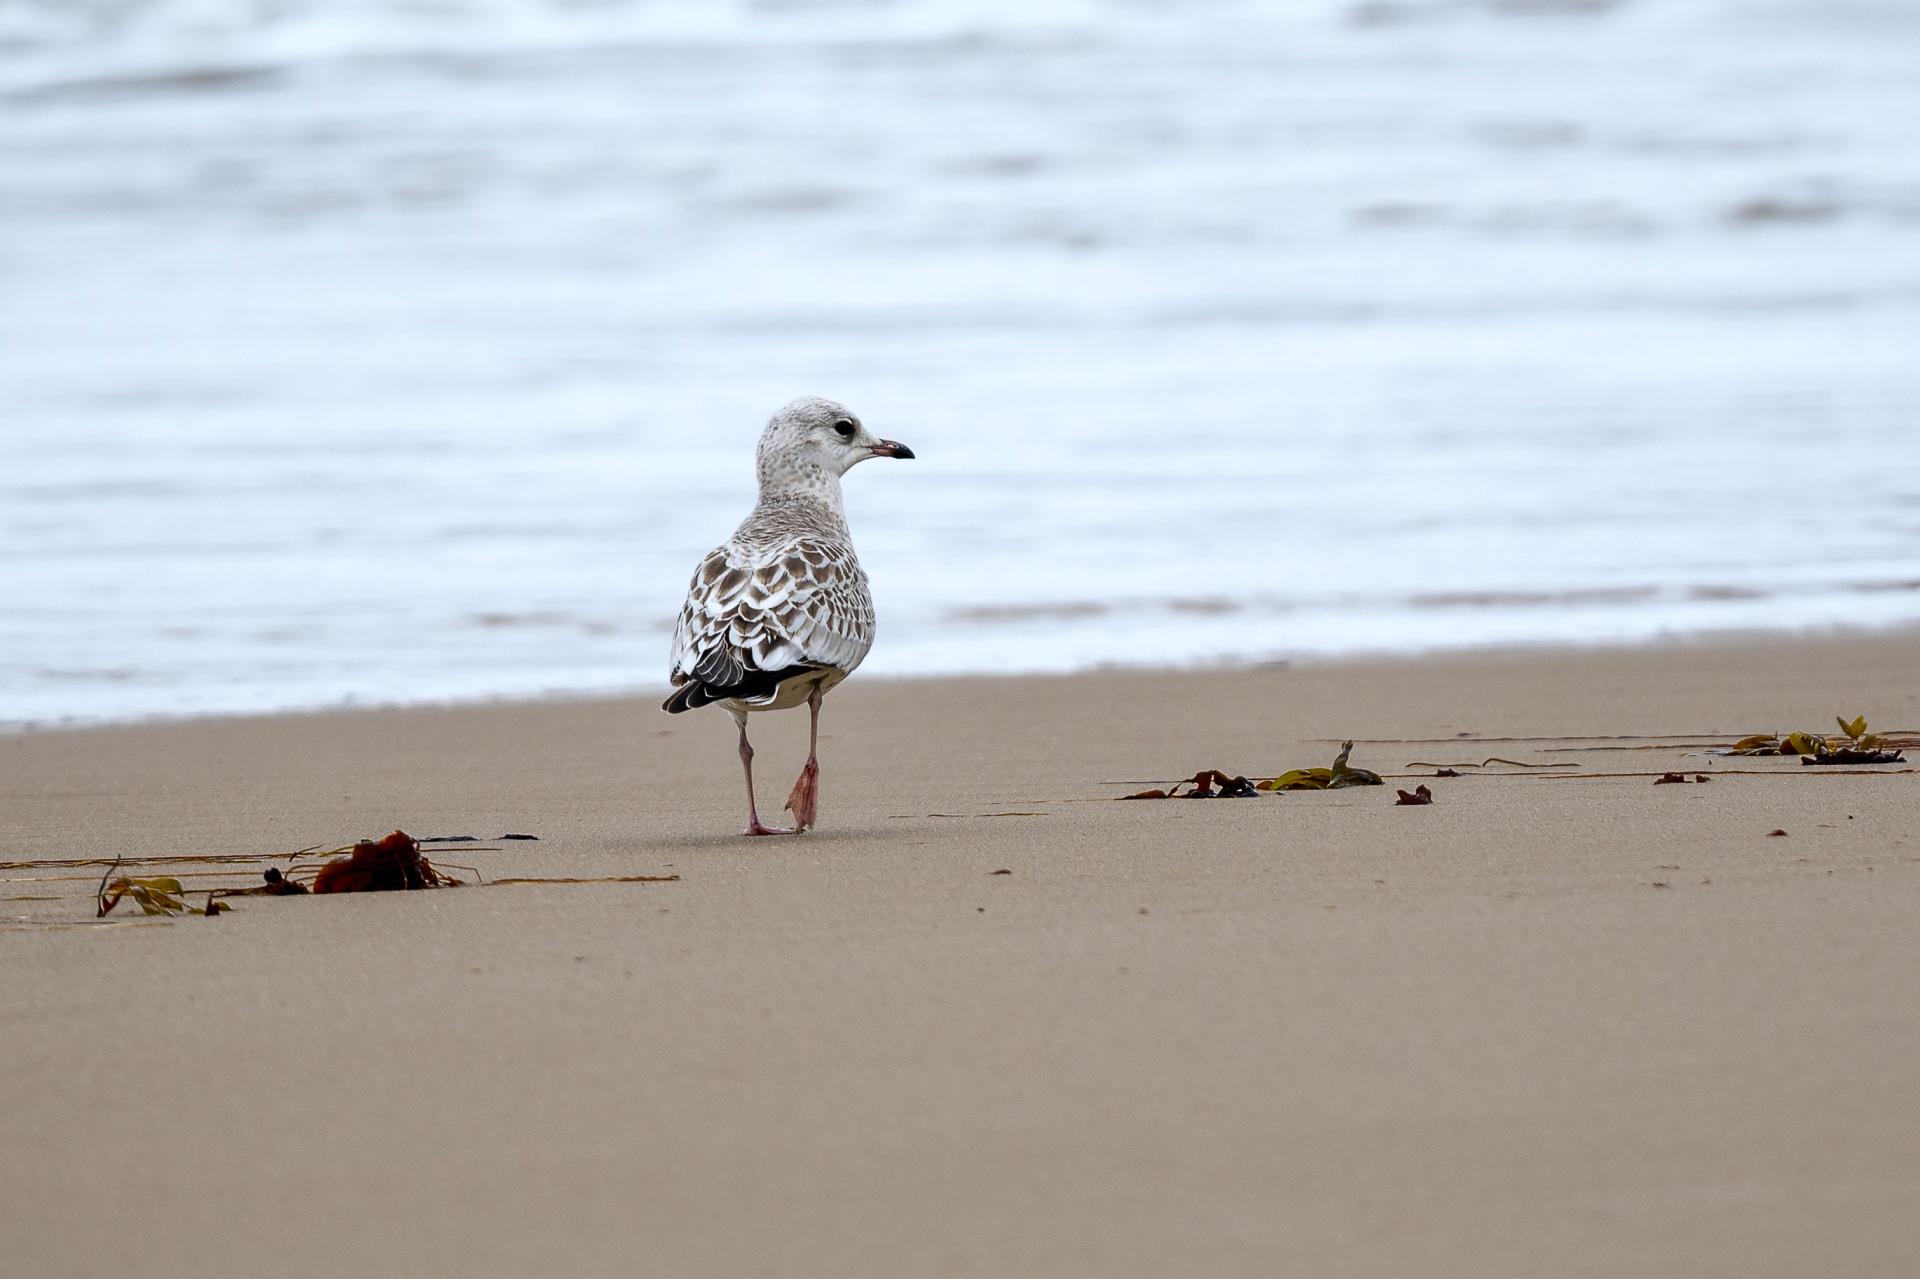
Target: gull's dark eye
{"type": "Point", "coordinates": [845, 428]}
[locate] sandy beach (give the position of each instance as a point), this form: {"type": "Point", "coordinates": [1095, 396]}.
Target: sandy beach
{"type": "Point", "coordinates": [1573, 1025]}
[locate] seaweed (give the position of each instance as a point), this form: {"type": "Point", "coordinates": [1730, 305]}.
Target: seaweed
{"type": "Point", "coordinates": [1340, 775]}
{"type": "Point", "coordinates": [1208, 783]}
{"type": "Point", "coordinates": [391, 863]}
{"type": "Point", "coordinates": [153, 894]}
{"type": "Point", "coordinates": [1212, 783]}
{"type": "Point", "coordinates": [1855, 745]}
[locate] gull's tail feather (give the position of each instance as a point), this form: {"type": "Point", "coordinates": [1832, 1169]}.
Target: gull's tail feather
{"type": "Point", "coordinates": [753, 686]}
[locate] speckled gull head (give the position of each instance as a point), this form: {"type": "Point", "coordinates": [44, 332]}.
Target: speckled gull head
{"type": "Point", "coordinates": [812, 442]}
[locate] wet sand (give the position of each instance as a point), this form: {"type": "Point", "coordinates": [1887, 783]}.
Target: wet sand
{"type": "Point", "coordinates": [1576, 1025]}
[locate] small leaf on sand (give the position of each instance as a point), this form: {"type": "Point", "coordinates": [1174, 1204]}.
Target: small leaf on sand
{"type": "Point", "coordinates": [1672, 779]}
{"type": "Point", "coordinates": [1775, 833]}
{"type": "Point", "coordinates": [1419, 795]}
{"type": "Point", "coordinates": [158, 895]}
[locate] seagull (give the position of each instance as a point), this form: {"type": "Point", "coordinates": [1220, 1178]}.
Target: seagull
{"type": "Point", "coordinates": [779, 613]}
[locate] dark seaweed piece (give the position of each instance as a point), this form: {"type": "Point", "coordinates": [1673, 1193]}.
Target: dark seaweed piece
{"type": "Point", "coordinates": [1208, 783]}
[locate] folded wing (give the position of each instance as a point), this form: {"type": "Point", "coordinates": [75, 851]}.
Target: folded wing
{"type": "Point", "coordinates": [752, 620]}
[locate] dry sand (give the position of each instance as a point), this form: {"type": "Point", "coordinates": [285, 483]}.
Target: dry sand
{"type": "Point", "coordinates": [1584, 1026]}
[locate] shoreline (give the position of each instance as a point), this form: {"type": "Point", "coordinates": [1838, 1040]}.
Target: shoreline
{"type": "Point", "coordinates": [1745, 637]}
{"type": "Point", "coordinates": [1577, 1023]}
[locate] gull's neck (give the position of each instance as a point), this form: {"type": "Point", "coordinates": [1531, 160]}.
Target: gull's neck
{"type": "Point", "coordinates": [802, 488]}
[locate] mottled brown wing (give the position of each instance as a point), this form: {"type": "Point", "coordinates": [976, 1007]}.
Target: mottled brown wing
{"type": "Point", "coordinates": [802, 604]}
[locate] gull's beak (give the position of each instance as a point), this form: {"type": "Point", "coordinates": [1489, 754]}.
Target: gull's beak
{"type": "Point", "coordinates": [891, 448]}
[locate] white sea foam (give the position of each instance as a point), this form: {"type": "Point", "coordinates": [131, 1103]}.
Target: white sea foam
{"type": "Point", "coordinates": [390, 352]}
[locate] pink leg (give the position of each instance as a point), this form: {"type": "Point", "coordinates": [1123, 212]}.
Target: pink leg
{"type": "Point", "coordinates": [746, 764]}
{"type": "Point", "coordinates": [804, 800]}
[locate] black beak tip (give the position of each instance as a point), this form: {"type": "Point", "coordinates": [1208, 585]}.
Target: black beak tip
{"type": "Point", "coordinates": [902, 451]}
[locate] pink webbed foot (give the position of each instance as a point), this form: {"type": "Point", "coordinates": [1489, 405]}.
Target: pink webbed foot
{"type": "Point", "coordinates": [804, 800]}
{"type": "Point", "coordinates": [755, 828]}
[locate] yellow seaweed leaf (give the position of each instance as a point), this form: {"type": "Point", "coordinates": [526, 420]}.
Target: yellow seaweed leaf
{"type": "Point", "coordinates": [1341, 774]}
{"type": "Point", "coordinates": [153, 894]}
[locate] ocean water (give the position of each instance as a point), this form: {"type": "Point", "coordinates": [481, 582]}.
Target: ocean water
{"type": "Point", "coordinates": [375, 351]}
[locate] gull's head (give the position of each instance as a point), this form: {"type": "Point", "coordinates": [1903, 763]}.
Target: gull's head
{"type": "Point", "coordinates": [812, 434]}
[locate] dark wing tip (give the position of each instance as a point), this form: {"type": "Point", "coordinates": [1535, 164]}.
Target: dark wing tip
{"type": "Point", "coordinates": [753, 686]}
